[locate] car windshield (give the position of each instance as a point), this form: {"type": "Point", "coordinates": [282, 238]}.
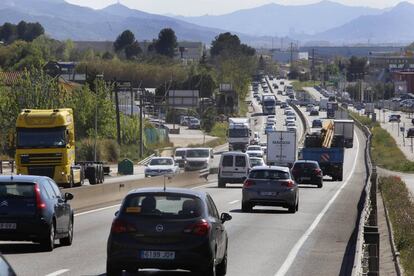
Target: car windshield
{"type": "Point", "coordinates": [269, 174]}
{"type": "Point", "coordinates": [166, 205]}
{"type": "Point", "coordinates": [195, 121]}
{"type": "Point", "coordinates": [254, 148]}
{"type": "Point", "coordinates": [180, 153]}
{"type": "Point", "coordinates": [256, 162]}
{"type": "Point", "coordinates": [15, 190]}
{"type": "Point", "coordinates": [307, 165]}
{"type": "Point", "coordinates": [161, 162]}
{"type": "Point", "coordinates": [198, 153]}
{"type": "Point", "coordinates": [238, 133]}
{"type": "Point", "coordinates": [41, 138]}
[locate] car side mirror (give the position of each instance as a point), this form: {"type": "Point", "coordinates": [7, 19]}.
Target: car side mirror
{"type": "Point", "coordinates": [225, 217]}
{"type": "Point", "coordinates": [68, 196]}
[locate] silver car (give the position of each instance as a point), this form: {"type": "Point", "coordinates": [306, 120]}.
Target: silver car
{"type": "Point", "coordinates": [270, 186]}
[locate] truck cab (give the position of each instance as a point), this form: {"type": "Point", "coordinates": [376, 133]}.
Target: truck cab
{"type": "Point", "coordinates": [239, 134]}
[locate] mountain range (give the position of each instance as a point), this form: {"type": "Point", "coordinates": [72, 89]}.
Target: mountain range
{"type": "Point", "coordinates": [323, 21]}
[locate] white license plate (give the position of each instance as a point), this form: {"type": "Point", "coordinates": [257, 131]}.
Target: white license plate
{"type": "Point", "coordinates": [158, 255]}
{"type": "Point", "coordinates": [7, 226]}
{"type": "Point", "coordinates": [269, 193]}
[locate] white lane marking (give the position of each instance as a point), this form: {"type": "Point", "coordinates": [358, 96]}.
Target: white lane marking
{"type": "Point", "coordinates": [117, 205]}
{"type": "Point", "coordinates": [295, 250]}
{"type": "Point", "coordinates": [234, 201]}
{"type": "Point", "coordinates": [59, 272]}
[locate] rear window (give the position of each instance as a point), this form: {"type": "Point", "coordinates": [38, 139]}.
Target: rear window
{"type": "Point", "coordinates": [180, 153]}
{"type": "Point", "coordinates": [163, 205]}
{"type": "Point", "coordinates": [16, 190]}
{"type": "Point", "coordinates": [269, 174]}
{"type": "Point", "coordinates": [305, 166]}
{"type": "Point", "coordinates": [227, 161]}
{"type": "Point", "coordinates": [240, 161]}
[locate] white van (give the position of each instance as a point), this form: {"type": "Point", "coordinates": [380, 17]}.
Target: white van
{"type": "Point", "coordinates": [234, 168]}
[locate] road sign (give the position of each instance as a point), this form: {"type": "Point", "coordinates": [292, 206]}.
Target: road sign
{"type": "Point", "coordinates": [184, 98]}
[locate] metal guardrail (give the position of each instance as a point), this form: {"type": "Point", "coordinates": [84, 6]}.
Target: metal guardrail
{"type": "Point", "coordinates": [367, 252]}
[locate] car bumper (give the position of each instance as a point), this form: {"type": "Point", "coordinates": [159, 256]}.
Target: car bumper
{"type": "Point", "coordinates": [156, 173]}
{"type": "Point", "coordinates": [26, 230]}
{"type": "Point", "coordinates": [232, 180]}
{"type": "Point", "coordinates": [309, 179]}
{"type": "Point", "coordinates": [285, 199]}
{"type": "Point", "coordinates": [128, 256]}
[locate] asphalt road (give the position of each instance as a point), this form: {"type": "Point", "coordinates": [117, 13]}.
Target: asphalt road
{"type": "Point", "coordinates": [268, 241]}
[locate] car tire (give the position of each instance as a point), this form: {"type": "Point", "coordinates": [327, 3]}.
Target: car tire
{"type": "Point", "coordinates": [146, 175]}
{"type": "Point", "coordinates": [292, 208]}
{"type": "Point", "coordinates": [209, 271]}
{"type": "Point", "coordinates": [246, 207]}
{"type": "Point", "coordinates": [320, 185]}
{"type": "Point", "coordinates": [112, 270]}
{"type": "Point", "coordinates": [48, 243]}
{"type": "Point", "coordinates": [67, 241]}
{"type": "Point", "coordinates": [221, 268]}
{"type": "Point", "coordinates": [221, 184]}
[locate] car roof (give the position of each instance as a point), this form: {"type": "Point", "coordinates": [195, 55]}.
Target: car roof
{"type": "Point", "coordinates": [178, 149]}
{"type": "Point", "coordinates": [306, 161]}
{"type": "Point", "coordinates": [198, 148]}
{"type": "Point", "coordinates": [275, 168]}
{"type": "Point", "coordinates": [197, 193]}
{"type": "Point", "coordinates": [234, 153]}
{"type": "Point", "coordinates": [160, 157]}
{"type": "Point", "coordinates": [21, 178]}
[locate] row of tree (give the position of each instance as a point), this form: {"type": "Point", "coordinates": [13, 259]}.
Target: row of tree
{"type": "Point", "coordinates": [22, 31]}
{"type": "Point", "coordinates": [165, 45]}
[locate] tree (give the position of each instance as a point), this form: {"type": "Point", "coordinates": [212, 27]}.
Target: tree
{"type": "Point", "coordinates": [33, 30]}
{"type": "Point", "coordinates": [132, 50]}
{"type": "Point", "coordinates": [123, 40]}
{"type": "Point", "coordinates": [166, 43]}
{"type": "Point", "coordinates": [8, 32]}
{"type": "Point", "coordinates": [21, 29]}
{"type": "Point", "coordinates": [356, 68]}
{"type": "Point", "coordinates": [229, 43]}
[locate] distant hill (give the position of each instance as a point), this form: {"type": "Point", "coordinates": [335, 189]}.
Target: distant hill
{"type": "Point", "coordinates": [394, 25]}
{"type": "Point", "coordinates": [274, 19]}
{"type": "Point", "coordinates": [62, 20]}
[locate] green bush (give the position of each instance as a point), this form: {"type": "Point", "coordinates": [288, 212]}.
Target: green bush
{"type": "Point", "coordinates": [85, 150]}
{"type": "Point", "coordinates": [112, 151]}
{"type": "Point", "coordinates": [398, 201]}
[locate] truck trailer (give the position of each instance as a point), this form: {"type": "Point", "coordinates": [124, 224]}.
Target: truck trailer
{"type": "Point", "coordinates": [281, 148]}
{"type": "Point", "coordinates": [345, 128]}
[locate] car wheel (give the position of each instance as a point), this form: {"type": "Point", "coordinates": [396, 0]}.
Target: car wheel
{"type": "Point", "coordinates": [112, 270]}
{"type": "Point", "coordinates": [221, 269]}
{"type": "Point", "coordinates": [246, 207]}
{"type": "Point", "coordinates": [146, 175]}
{"type": "Point", "coordinates": [66, 241]}
{"type": "Point", "coordinates": [221, 184]}
{"type": "Point", "coordinates": [49, 242]}
{"type": "Point", "coordinates": [210, 270]}
{"type": "Point", "coordinates": [292, 208]}
{"type": "Point", "coordinates": [320, 184]}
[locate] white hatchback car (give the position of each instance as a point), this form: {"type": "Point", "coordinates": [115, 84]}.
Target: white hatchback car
{"type": "Point", "coordinates": [161, 166]}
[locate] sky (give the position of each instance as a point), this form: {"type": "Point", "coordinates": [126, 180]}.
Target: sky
{"type": "Point", "coordinates": [215, 7]}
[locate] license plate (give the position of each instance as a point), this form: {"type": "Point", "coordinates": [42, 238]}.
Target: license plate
{"type": "Point", "coordinates": [305, 178]}
{"type": "Point", "coordinates": [269, 193]}
{"type": "Point", "coordinates": [158, 255]}
{"type": "Point", "coordinates": [7, 226]}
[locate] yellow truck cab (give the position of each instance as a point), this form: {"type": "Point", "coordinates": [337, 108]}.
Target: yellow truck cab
{"type": "Point", "coordinates": [45, 145]}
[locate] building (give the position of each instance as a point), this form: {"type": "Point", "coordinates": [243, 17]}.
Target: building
{"type": "Point", "coordinates": [405, 80]}
{"type": "Point", "coordinates": [282, 56]}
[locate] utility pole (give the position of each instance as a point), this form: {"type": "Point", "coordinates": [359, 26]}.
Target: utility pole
{"type": "Point", "coordinates": [118, 121]}
{"type": "Point", "coordinates": [141, 125]}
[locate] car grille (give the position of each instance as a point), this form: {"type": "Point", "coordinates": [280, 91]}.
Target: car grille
{"type": "Point", "coordinates": [197, 163]}
{"type": "Point", "coordinates": [41, 159]}
{"type": "Point", "coordinates": [42, 171]}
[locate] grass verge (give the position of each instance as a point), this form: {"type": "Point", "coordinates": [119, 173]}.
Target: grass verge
{"type": "Point", "coordinates": [219, 130]}
{"type": "Point", "coordinates": [385, 151]}
{"type": "Point", "coordinates": [298, 85]}
{"type": "Point", "coordinates": [400, 207]}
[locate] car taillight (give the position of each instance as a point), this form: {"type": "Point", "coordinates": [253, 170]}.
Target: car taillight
{"type": "Point", "coordinates": [39, 202]}
{"type": "Point", "coordinates": [288, 183]}
{"type": "Point", "coordinates": [317, 171]}
{"type": "Point", "coordinates": [200, 228]}
{"type": "Point", "coordinates": [120, 226]}
{"type": "Point", "coordinates": [248, 183]}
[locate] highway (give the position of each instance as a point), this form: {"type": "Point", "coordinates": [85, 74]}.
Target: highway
{"type": "Point", "coordinates": [317, 240]}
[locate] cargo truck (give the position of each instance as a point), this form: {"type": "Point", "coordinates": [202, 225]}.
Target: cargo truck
{"type": "Point", "coordinates": [330, 159]}
{"type": "Point", "coordinates": [45, 145]}
{"type": "Point", "coordinates": [239, 133]}
{"type": "Point", "coordinates": [323, 104]}
{"type": "Point", "coordinates": [345, 128]}
{"type": "Point", "coordinates": [281, 148]}
{"type": "Point", "coordinates": [269, 104]}
{"type": "Point", "coordinates": [369, 108]}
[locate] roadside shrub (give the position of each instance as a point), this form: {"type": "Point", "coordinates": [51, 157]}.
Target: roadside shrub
{"type": "Point", "coordinates": [398, 201]}
{"type": "Point", "coordinates": [85, 150]}
{"type": "Point", "coordinates": [112, 151]}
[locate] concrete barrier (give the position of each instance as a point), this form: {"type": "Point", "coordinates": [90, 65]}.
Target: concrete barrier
{"type": "Point", "coordinates": [90, 196]}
